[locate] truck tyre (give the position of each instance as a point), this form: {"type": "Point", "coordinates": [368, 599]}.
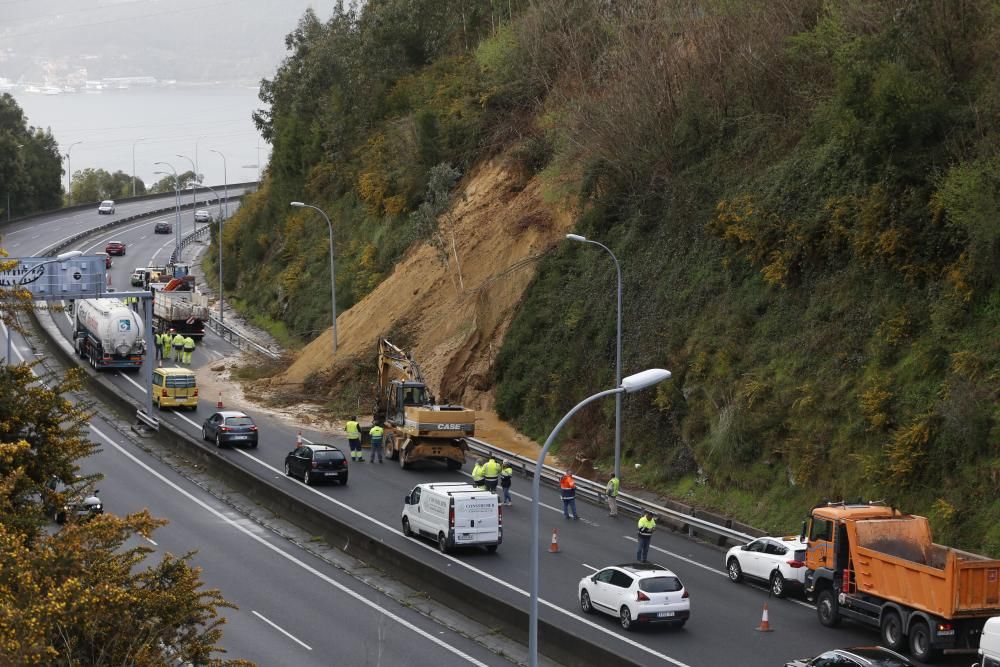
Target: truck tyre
{"type": "Point", "coordinates": [442, 543]}
{"type": "Point", "coordinates": [777, 584]}
{"type": "Point", "coordinates": [403, 463]}
{"type": "Point", "coordinates": [920, 643]}
{"type": "Point", "coordinates": [390, 448]}
{"type": "Point", "coordinates": [491, 548]}
{"type": "Point", "coordinates": [406, 527]}
{"type": "Point", "coordinates": [892, 631]}
{"type": "Point", "coordinates": [827, 608]}
{"type": "Point", "coordinates": [734, 571]}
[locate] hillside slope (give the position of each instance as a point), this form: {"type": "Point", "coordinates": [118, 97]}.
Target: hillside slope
{"type": "Point", "coordinates": [500, 230]}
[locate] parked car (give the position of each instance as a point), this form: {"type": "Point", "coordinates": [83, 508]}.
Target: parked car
{"type": "Point", "coordinates": [230, 427]}
{"type": "Point", "coordinates": [202, 215]}
{"type": "Point", "coordinates": [107, 207]}
{"type": "Point", "coordinates": [779, 561]}
{"type": "Point", "coordinates": [453, 514]}
{"type": "Point", "coordinates": [317, 463]}
{"type": "Point", "coordinates": [115, 248]}
{"type": "Point", "coordinates": [163, 227]}
{"type": "Point", "coordinates": [861, 656]}
{"type": "Point", "coordinates": [637, 593]}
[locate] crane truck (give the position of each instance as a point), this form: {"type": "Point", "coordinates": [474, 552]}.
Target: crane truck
{"type": "Point", "coordinates": [177, 304]}
{"type": "Point", "coordinates": [416, 428]}
{"type": "Point", "coordinates": [108, 334]}
{"type": "Point", "coordinates": [879, 567]}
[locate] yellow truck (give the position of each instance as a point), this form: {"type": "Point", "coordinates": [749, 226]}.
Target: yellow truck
{"type": "Point", "coordinates": [875, 565]}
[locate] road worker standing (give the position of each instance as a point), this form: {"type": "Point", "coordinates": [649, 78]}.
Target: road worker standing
{"type": "Point", "coordinates": [376, 439]}
{"type": "Point", "coordinates": [178, 345]}
{"type": "Point", "coordinates": [188, 350]}
{"type": "Point", "coordinates": [647, 524]}
{"type": "Point", "coordinates": [354, 439]}
{"type": "Point", "coordinates": [477, 474]}
{"type": "Point", "coordinates": [491, 474]}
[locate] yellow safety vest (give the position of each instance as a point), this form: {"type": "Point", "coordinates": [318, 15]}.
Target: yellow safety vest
{"type": "Point", "coordinates": [353, 430]}
{"type": "Point", "coordinates": [189, 344]}
{"type": "Point", "coordinates": [613, 485]}
{"type": "Point", "coordinates": [491, 470]}
{"type": "Point", "coordinates": [477, 473]}
{"type": "Point", "coordinates": [646, 526]}
{"type": "Point", "coordinates": [376, 434]}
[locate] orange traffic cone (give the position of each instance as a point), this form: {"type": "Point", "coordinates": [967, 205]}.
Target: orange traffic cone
{"type": "Point", "coordinates": [298, 440]}
{"type": "Point", "coordinates": [764, 626]}
{"type": "Point", "coordinates": [219, 404]}
{"type": "Point", "coordinates": [554, 547]}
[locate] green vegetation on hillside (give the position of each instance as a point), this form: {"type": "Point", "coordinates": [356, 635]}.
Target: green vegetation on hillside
{"type": "Point", "coordinates": [802, 193]}
{"type": "Point", "coordinates": [30, 164]}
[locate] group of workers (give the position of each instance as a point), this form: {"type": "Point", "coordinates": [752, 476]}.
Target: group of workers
{"type": "Point", "coordinates": [376, 435]}
{"type": "Point", "coordinates": [174, 346]}
{"type": "Point", "coordinates": [489, 474]}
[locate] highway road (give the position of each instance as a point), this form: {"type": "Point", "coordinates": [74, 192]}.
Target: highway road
{"type": "Point", "coordinates": [722, 628]}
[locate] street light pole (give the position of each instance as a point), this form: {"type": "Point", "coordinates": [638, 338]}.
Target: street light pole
{"type": "Point", "coordinates": [177, 209]}
{"type": "Point", "coordinates": [333, 282]}
{"type": "Point", "coordinates": [225, 178]}
{"type": "Point", "coordinates": [133, 162]}
{"type": "Point", "coordinates": [69, 171]}
{"type": "Point", "coordinates": [194, 193]}
{"type": "Point", "coordinates": [618, 353]}
{"type": "Point", "coordinates": [632, 383]}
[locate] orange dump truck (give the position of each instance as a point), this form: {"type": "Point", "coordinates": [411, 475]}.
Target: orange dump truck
{"type": "Point", "coordinates": [875, 565]}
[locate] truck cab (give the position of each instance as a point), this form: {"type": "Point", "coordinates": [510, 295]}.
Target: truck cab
{"type": "Point", "coordinates": [402, 394]}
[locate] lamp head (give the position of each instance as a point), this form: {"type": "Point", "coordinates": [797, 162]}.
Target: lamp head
{"type": "Point", "coordinates": [576, 237]}
{"type": "Point", "coordinates": [644, 379]}
{"type": "Point", "coordinates": [297, 204]}
{"type": "Point", "coordinates": [69, 254]}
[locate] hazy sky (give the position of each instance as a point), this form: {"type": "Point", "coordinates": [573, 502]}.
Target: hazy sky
{"type": "Point", "coordinates": [187, 40]}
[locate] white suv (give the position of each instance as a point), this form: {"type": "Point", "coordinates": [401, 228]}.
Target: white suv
{"type": "Point", "coordinates": [107, 207]}
{"type": "Point", "coordinates": [780, 561]}
{"type": "Point", "coordinates": [637, 593]}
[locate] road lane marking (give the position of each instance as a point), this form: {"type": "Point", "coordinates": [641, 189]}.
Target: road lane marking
{"type": "Point", "coordinates": [287, 556]}
{"type": "Point", "coordinates": [151, 541]}
{"type": "Point", "coordinates": [591, 567]}
{"type": "Point", "coordinates": [456, 561]}
{"type": "Point", "coordinates": [137, 385]}
{"type": "Point", "coordinates": [281, 630]}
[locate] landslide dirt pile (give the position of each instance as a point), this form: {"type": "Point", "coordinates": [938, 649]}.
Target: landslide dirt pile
{"type": "Point", "coordinates": [500, 231]}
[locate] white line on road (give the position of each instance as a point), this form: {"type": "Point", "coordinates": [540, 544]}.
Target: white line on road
{"type": "Point", "coordinates": [287, 556]}
{"type": "Point", "coordinates": [589, 567]}
{"type": "Point", "coordinates": [137, 385]}
{"type": "Point", "coordinates": [281, 630]}
{"type": "Point", "coordinates": [151, 541]}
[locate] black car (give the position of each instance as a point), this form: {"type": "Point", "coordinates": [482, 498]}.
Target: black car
{"type": "Point", "coordinates": [860, 656]}
{"type": "Point", "coordinates": [163, 228]}
{"type": "Point", "coordinates": [317, 463]}
{"type": "Point", "coordinates": [228, 428]}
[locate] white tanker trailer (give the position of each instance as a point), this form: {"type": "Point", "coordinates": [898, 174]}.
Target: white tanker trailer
{"type": "Point", "coordinates": [108, 334]}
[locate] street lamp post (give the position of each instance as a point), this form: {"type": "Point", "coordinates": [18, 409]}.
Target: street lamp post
{"type": "Point", "coordinates": [133, 162]}
{"type": "Point", "coordinates": [177, 208]}
{"type": "Point", "coordinates": [632, 383]}
{"type": "Point", "coordinates": [225, 178]}
{"type": "Point", "coordinates": [69, 171]}
{"type": "Point", "coordinates": [194, 193]}
{"type": "Point", "coordinates": [333, 282]}
{"type": "Point", "coordinates": [618, 353]}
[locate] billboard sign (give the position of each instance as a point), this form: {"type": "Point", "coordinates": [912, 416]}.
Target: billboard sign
{"type": "Point", "coordinates": [49, 279]}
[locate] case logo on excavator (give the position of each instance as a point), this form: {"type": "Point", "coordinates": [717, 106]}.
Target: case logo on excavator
{"type": "Point", "coordinates": [451, 427]}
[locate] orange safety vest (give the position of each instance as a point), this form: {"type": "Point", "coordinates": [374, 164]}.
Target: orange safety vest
{"type": "Point", "coordinates": [567, 487]}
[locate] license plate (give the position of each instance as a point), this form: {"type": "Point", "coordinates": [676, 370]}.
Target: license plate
{"type": "Point", "coordinates": [664, 614]}
{"type": "Point", "coordinates": [464, 537]}
{"type": "Point", "coordinates": [331, 474]}
{"type": "Point", "coordinates": [239, 437]}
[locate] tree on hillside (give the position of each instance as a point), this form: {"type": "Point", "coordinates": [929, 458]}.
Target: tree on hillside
{"type": "Point", "coordinates": [30, 164]}
{"type": "Point", "coordinates": [97, 185]}
{"type": "Point", "coordinates": [167, 183]}
{"type": "Point", "coordinates": [436, 219]}
{"type": "Point", "coordinates": [82, 595]}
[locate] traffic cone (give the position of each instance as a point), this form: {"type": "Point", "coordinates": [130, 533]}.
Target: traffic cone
{"type": "Point", "coordinates": [554, 546]}
{"type": "Point", "coordinates": [764, 626]}
{"type": "Point", "coordinates": [298, 440]}
{"type": "Point", "coordinates": [219, 404]}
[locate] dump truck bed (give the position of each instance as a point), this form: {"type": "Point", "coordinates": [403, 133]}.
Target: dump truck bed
{"type": "Point", "coordinates": [897, 560]}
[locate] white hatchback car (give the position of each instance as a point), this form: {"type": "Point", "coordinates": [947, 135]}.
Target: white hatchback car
{"type": "Point", "coordinates": [637, 593]}
{"type": "Point", "coordinates": [107, 207]}
{"type": "Point", "coordinates": [201, 215]}
{"type": "Point", "coordinates": [780, 561]}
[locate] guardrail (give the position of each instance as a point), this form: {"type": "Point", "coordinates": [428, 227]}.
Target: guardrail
{"type": "Point", "coordinates": [237, 339]}
{"type": "Point", "coordinates": [680, 516]}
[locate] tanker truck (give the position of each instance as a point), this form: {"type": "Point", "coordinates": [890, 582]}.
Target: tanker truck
{"type": "Point", "coordinates": [108, 334]}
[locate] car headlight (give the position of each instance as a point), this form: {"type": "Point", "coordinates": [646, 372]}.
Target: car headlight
{"type": "Point", "coordinates": [98, 507]}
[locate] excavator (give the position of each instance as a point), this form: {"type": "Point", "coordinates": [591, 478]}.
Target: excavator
{"type": "Point", "coordinates": [416, 428]}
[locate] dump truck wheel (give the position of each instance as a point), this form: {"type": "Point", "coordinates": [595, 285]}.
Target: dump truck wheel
{"type": "Point", "coordinates": [403, 463]}
{"type": "Point", "coordinates": [827, 608]}
{"type": "Point", "coordinates": [892, 631]}
{"type": "Point", "coordinates": [390, 448]}
{"type": "Point", "coordinates": [920, 643]}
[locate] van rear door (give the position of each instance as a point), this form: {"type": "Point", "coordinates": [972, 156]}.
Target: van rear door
{"type": "Point", "coordinates": [477, 519]}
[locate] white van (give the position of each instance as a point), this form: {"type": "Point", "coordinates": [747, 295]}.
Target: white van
{"type": "Point", "coordinates": [989, 644]}
{"type": "Point", "coordinates": [454, 514]}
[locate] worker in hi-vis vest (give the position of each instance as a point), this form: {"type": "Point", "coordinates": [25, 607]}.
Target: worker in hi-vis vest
{"type": "Point", "coordinates": [178, 344]}
{"type": "Point", "coordinates": [354, 439]}
{"type": "Point", "coordinates": [188, 350]}
{"type": "Point", "coordinates": [376, 439]}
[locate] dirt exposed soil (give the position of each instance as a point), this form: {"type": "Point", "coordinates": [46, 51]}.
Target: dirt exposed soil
{"type": "Point", "coordinates": [500, 231]}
